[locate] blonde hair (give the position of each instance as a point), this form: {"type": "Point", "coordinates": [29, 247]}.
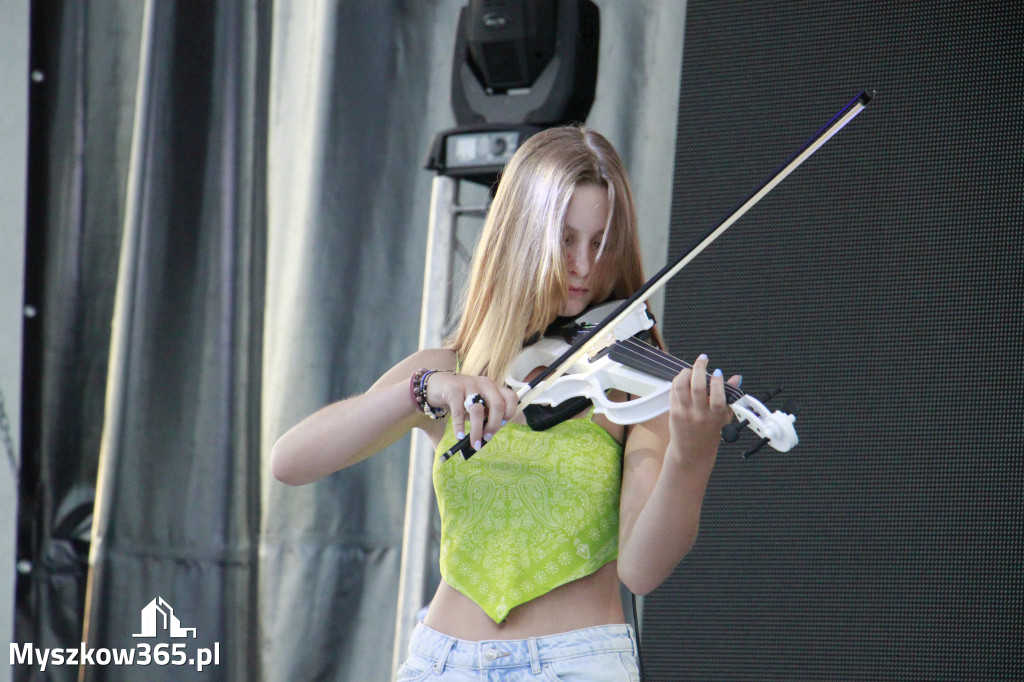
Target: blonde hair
{"type": "Point", "coordinates": [518, 280]}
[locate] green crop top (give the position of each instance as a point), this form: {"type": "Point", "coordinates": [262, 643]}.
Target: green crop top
{"type": "Point", "coordinates": [532, 511]}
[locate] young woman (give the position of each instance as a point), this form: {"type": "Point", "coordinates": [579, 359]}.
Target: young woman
{"type": "Point", "coordinates": [538, 528]}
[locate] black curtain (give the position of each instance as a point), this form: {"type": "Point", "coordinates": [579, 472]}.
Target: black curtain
{"type": "Point", "coordinates": [78, 154]}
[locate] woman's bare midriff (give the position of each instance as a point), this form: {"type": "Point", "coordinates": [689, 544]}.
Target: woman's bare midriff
{"type": "Point", "coordinates": [590, 601]}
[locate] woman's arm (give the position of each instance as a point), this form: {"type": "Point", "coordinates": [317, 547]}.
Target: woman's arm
{"type": "Point", "coordinates": [668, 462]}
{"type": "Point", "coordinates": [349, 431]}
{"type": "Point", "coordinates": [346, 432]}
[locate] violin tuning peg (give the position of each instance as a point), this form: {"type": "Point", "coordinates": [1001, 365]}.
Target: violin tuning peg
{"type": "Point", "coordinates": [731, 431]}
{"type": "Point", "coordinates": [790, 407]}
{"type": "Point", "coordinates": [757, 446]}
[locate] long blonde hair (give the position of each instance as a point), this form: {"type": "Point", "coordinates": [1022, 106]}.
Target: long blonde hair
{"type": "Point", "coordinates": [518, 279]}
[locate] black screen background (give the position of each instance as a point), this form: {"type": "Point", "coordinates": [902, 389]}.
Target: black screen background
{"type": "Point", "coordinates": [881, 286]}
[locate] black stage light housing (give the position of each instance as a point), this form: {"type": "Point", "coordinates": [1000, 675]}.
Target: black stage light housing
{"type": "Point", "coordinates": [507, 43]}
{"type": "Point", "coordinates": [519, 66]}
{"type": "Point", "coordinates": [525, 61]}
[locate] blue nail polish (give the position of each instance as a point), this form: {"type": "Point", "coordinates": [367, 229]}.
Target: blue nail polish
{"type": "Point", "coordinates": [740, 382]}
{"type": "Point", "coordinates": [488, 437]}
{"type": "Point", "coordinates": [504, 421]}
{"type": "Point", "coordinates": [702, 356]}
{"type": "Point", "coordinates": [460, 435]}
{"type": "Point", "coordinates": [478, 445]}
{"type": "Point", "coordinates": [717, 373]}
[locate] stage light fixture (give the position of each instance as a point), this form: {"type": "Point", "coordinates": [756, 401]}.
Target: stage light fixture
{"type": "Point", "coordinates": [519, 66]}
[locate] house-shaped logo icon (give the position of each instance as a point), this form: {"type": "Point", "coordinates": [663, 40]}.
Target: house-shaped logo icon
{"type": "Point", "coordinates": [158, 615]}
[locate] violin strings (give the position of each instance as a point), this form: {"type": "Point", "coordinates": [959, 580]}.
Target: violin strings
{"type": "Point", "coordinates": [643, 353]}
{"type": "Point", "coordinates": [646, 353]}
{"type": "Point", "coordinates": [666, 361]}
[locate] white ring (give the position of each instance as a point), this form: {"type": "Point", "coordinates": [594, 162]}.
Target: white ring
{"type": "Point", "coordinates": [473, 399]}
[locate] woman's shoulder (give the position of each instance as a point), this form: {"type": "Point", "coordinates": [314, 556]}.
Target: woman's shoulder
{"type": "Point", "coordinates": [433, 358]}
{"type": "Point", "coordinates": [427, 358]}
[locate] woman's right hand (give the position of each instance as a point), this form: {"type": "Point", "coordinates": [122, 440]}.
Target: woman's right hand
{"type": "Point", "coordinates": [450, 390]}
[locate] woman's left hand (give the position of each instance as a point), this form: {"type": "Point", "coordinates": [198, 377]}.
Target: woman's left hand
{"type": "Point", "coordinates": [697, 413]}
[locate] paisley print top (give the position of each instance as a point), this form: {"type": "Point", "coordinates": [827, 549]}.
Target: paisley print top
{"type": "Point", "coordinates": [533, 510]}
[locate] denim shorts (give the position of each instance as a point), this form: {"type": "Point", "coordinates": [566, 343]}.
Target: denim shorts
{"type": "Point", "coordinates": [598, 654]}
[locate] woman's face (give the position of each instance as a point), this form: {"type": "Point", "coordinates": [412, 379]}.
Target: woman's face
{"type": "Point", "coordinates": [585, 221]}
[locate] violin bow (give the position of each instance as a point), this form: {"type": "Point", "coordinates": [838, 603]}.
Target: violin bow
{"type": "Point", "coordinates": [586, 344]}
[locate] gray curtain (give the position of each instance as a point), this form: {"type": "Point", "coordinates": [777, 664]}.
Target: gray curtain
{"type": "Point", "coordinates": [177, 511]}
{"type": "Point", "coordinates": [355, 103]}
{"type": "Point", "coordinates": [266, 208]}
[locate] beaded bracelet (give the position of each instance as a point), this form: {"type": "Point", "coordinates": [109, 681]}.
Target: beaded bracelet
{"type": "Point", "coordinates": [418, 393]}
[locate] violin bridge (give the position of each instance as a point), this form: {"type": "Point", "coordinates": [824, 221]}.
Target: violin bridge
{"type": "Point", "coordinates": [601, 346]}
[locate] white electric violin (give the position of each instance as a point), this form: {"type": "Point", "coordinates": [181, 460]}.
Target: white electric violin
{"type": "Point", "coordinates": [622, 361]}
